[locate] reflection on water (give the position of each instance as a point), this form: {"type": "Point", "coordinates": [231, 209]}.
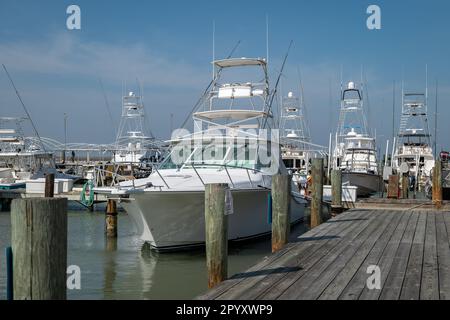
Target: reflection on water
{"type": "Point", "coordinates": [125, 268]}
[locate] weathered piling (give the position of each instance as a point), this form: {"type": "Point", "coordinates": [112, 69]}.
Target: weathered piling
{"type": "Point", "coordinates": [39, 247]}
{"type": "Point", "coordinates": [216, 233]}
{"type": "Point", "coordinates": [437, 184]}
{"type": "Point", "coordinates": [111, 219]}
{"type": "Point", "coordinates": [405, 186]}
{"type": "Point", "coordinates": [316, 192]}
{"type": "Point", "coordinates": [336, 189]}
{"type": "Point", "coordinates": [393, 185]}
{"type": "Point", "coordinates": [281, 196]}
{"type": "Point", "coordinates": [49, 185]}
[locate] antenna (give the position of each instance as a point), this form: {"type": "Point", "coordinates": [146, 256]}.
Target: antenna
{"type": "Point", "coordinates": [436, 121]}
{"type": "Point", "coordinates": [362, 81]}
{"type": "Point", "coordinates": [426, 85]}
{"type": "Point", "coordinates": [393, 110]}
{"type": "Point", "coordinates": [267, 38]}
{"type": "Point", "coordinates": [342, 88]}
{"type": "Point", "coordinates": [403, 90]}
{"type": "Point", "coordinates": [214, 49]}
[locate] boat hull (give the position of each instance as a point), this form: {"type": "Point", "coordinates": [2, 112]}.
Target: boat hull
{"type": "Point", "coordinates": [171, 220]}
{"type": "Point", "coordinates": [367, 183]}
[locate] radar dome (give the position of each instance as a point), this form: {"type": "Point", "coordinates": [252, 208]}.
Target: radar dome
{"type": "Point", "coordinates": [351, 85]}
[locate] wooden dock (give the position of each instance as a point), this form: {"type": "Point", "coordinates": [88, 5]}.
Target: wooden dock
{"type": "Point", "coordinates": [411, 248]}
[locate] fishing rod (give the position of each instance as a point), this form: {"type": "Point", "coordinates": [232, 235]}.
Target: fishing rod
{"type": "Point", "coordinates": [209, 86]}
{"type": "Point", "coordinates": [277, 83]}
{"type": "Point", "coordinates": [27, 113]}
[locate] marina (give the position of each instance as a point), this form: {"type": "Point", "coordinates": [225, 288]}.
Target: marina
{"type": "Point", "coordinates": [278, 178]}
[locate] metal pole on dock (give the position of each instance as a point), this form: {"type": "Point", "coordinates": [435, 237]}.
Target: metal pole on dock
{"type": "Point", "coordinates": [281, 199]}
{"type": "Point", "coordinates": [39, 247]}
{"type": "Point", "coordinates": [437, 184]}
{"type": "Point", "coordinates": [216, 233]}
{"type": "Point", "coordinates": [49, 185]}
{"type": "Point", "coordinates": [317, 192]}
{"type": "Point", "coordinates": [336, 190]}
{"type": "Point", "coordinates": [111, 219]}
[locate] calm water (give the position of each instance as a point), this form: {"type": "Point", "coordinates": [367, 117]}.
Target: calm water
{"type": "Point", "coordinates": [126, 269]}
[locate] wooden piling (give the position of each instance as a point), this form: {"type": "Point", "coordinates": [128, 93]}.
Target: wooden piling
{"type": "Point", "coordinates": [393, 187]}
{"type": "Point", "coordinates": [405, 186]}
{"type": "Point", "coordinates": [216, 233]}
{"type": "Point", "coordinates": [281, 196]}
{"type": "Point", "coordinates": [39, 247]}
{"type": "Point", "coordinates": [49, 185]}
{"type": "Point", "coordinates": [316, 192]}
{"type": "Point", "coordinates": [111, 219]}
{"type": "Point", "coordinates": [437, 184]}
{"type": "Point", "coordinates": [336, 189]}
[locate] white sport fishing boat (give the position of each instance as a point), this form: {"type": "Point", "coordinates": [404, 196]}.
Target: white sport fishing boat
{"type": "Point", "coordinates": [20, 157]}
{"type": "Point", "coordinates": [413, 152]}
{"type": "Point", "coordinates": [228, 146]}
{"type": "Point", "coordinates": [134, 142]}
{"type": "Point", "coordinates": [295, 138]}
{"type": "Point", "coordinates": [355, 150]}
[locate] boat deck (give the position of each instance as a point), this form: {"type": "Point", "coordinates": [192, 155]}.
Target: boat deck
{"type": "Point", "coordinates": [411, 248]}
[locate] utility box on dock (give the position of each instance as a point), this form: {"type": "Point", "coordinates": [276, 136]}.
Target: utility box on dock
{"type": "Point", "coordinates": [348, 193]}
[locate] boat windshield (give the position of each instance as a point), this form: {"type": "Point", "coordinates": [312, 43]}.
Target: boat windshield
{"type": "Point", "coordinates": [238, 155]}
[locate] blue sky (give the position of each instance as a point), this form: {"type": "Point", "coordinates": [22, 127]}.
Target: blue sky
{"type": "Point", "coordinates": [168, 46]}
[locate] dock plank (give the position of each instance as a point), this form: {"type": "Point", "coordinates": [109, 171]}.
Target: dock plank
{"type": "Point", "coordinates": [411, 247]}
{"type": "Point", "coordinates": [313, 285]}
{"type": "Point", "coordinates": [429, 289]}
{"type": "Point", "coordinates": [312, 269]}
{"type": "Point", "coordinates": [358, 267]}
{"type": "Point", "coordinates": [411, 284]}
{"type": "Point", "coordinates": [443, 254]}
{"type": "Point", "coordinates": [285, 283]}
{"type": "Point", "coordinates": [290, 250]}
{"type": "Point", "coordinates": [378, 255]}
{"type": "Point", "coordinates": [391, 289]}
{"type": "Point", "coordinates": [253, 287]}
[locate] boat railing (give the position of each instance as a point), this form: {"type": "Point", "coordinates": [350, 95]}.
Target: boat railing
{"type": "Point", "coordinates": [101, 174]}
{"type": "Point", "coordinates": [226, 167]}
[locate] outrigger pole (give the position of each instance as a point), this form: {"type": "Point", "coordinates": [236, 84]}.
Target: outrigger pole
{"type": "Point", "coordinates": [277, 83]}
{"type": "Point", "coordinates": [27, 113]}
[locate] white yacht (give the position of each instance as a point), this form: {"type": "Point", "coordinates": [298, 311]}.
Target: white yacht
{"type": "Point", "coordinates": [355, 150]}
{"type": "Point", "coordinates": [229, 146]}
{"type": "Point", "coordinates": [413, 148]}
